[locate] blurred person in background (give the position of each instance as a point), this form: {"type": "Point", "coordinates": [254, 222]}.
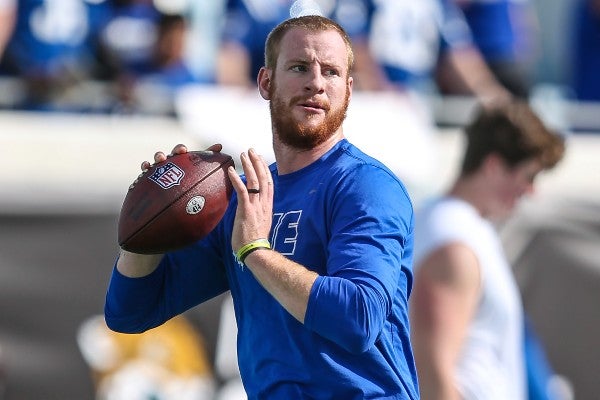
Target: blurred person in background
{"type": "Point", "coordinates": [412, 40]}
{"type": "Point", "coordinates": [143, 52]}
{"type": "Point", "coordinates": [467, 319]}
{"type": "Point", "coordinates": [506, 34]}
{"type": "Point", "coordinates": [129, 37]}
{"type": "Point", "coordinates": [127, 44]}
{"type": "Point", "coordinates": [169, 70]}
{"type": "Point", "coordinates": [151, 66]}
{"type": "Point", "coordinates": [586, 51]}
{"type": "Point", "coordinates": [50, 45]}
{"type": "Point", "coordinates": [168, 66]}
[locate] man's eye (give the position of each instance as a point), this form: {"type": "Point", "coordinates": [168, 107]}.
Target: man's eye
{"type": "Point", "coordinates": [331, 72]}
{"type": "Point", "coordinates": [298, 68]}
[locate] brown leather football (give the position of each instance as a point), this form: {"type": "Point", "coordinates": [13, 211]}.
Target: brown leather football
{"type": "Point", "coordinates": [175, 202]}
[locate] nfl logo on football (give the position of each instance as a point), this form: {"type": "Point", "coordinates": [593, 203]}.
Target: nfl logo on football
{"type": "Point", "coordinates": [167, 175]}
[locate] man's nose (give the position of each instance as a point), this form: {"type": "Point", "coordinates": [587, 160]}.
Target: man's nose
{"type": "Point", "coordinates": [315, 82]}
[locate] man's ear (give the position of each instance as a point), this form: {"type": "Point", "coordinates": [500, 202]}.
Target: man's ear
{"type": "Point", "coordinates": [350, 86]}
{"type": "Point", "coordinates": [264, 83]}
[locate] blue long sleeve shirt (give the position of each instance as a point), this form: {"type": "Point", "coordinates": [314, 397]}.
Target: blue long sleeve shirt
{"type": "Point", "coordinates": [346, 217]}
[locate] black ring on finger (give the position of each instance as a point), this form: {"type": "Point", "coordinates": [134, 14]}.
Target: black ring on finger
{"type": "Point", "coordinates": [253, 191]}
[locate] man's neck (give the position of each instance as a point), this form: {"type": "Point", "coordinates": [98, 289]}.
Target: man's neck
{"type": "Point", "coordinates": [471, 189]}
{"type": "Point", "coordinates": [290, 159]}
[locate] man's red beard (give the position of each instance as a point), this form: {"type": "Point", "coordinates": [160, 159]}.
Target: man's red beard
{"type": "Point", "coordinates": [297, 135]}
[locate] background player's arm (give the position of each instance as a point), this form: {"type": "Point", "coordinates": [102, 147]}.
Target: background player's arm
{"type": "Point", "coordinates": [464, 71]}
{"type": "Point", "coordinates": [368, 74]}
{"type": "Point", "coordinates": [445, 294]}
{"type": "Point", "coordinates": [233, 65]}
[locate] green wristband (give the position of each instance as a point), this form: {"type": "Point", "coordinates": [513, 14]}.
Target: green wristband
{"type": "Point", "coordinates": [246, 249]}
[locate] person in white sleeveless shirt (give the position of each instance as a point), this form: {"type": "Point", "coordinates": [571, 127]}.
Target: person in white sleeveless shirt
{"type": "Point", "coordinates": [466, 311]}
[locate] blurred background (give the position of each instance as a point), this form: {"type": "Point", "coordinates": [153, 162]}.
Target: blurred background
{"type": "Point", "coordinates": [91, 88]}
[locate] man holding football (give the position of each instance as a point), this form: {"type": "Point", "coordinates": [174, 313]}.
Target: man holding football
{"type": "Point", "coordinates": [316, 249]}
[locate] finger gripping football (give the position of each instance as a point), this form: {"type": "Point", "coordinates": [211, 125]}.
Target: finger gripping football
{"type": "Point", "coordinates": [175, 203]}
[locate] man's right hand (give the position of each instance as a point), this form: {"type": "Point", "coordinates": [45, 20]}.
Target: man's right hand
{"type": "Point", "coordinates": [135, 265]}
{"type": "Point", "coordinates": [159, 156]}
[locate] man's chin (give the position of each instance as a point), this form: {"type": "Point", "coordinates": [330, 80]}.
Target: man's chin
{"type": "Point", "coordinates": [310, 129]}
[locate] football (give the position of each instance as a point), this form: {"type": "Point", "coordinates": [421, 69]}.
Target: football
{"type": "Point", "coordinates": [175, 202]}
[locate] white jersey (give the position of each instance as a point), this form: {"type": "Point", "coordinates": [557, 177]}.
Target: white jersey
{"type": "Point", "coordinates": [491, 365]}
